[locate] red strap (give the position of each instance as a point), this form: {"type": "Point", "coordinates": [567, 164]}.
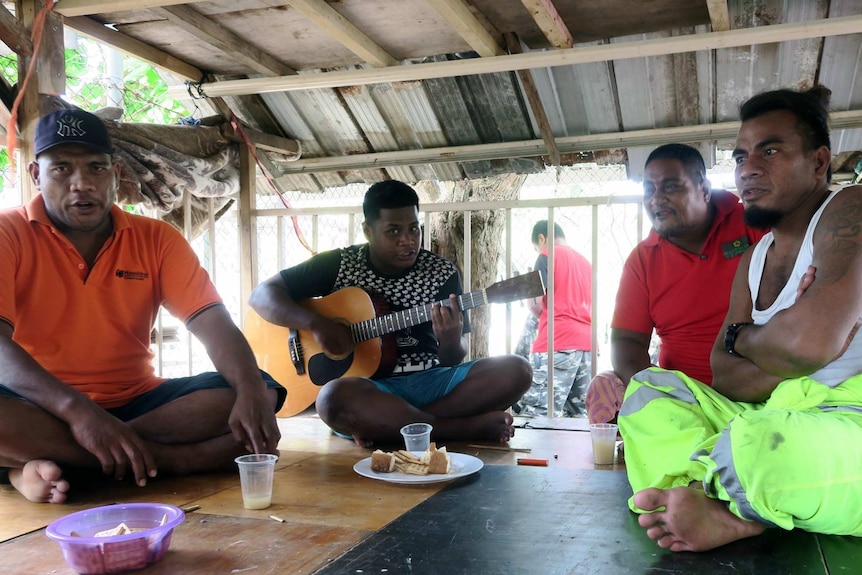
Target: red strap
{"type": "Point", "coordinates": [235, 124]}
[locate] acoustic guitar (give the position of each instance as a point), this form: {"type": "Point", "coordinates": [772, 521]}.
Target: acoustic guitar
{"type": "Point", "coordinates": [295, 360]}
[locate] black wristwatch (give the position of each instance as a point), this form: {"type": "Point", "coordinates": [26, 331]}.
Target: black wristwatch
{"type": "Point", "coordinates": [730, 337]}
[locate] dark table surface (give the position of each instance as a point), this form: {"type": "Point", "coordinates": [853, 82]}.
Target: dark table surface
{"type": "Point", "coordinates": [545, 520]}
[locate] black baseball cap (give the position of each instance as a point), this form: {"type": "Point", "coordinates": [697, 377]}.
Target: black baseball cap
{"type": "Point", "coordinates": [72, 127]}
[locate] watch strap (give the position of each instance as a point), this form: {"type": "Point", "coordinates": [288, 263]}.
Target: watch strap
{"type": "Point", "coordinates": [730, 337]}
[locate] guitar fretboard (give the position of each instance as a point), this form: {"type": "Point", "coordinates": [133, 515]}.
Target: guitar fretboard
{"type": "Point", "coordinates": [380, 326]}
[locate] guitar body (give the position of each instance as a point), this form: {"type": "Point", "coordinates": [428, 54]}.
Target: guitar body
{"type": "Point", "coordinates": [270, 344]}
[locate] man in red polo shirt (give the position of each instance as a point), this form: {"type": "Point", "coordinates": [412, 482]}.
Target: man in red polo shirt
{"type": "Point", "coordinates": [677, 281]}
{"type": "Point", "coordinates": [81, 286]}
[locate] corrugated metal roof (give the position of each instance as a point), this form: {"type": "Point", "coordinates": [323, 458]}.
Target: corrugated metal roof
{"type": "Point", "coordinates": [622, 95]}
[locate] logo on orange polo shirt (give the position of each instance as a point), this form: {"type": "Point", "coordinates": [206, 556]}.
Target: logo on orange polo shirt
{"type": "Point", "coordinates": [130, 275]}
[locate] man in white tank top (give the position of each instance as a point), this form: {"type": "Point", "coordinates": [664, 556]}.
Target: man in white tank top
{"type": "Point", "coordinates": [787, 395]}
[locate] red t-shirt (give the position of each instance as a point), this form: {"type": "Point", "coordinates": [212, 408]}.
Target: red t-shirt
{"type": "Point", "coordinates": [572, 301]}
{"type": "Point", "coordinates": [684, 296]}
{"type": "Point", "coordinates": [90, 327]}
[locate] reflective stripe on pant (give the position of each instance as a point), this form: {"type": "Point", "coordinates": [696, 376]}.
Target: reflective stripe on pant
{"type": "Point", "coordinates": [792, 462]}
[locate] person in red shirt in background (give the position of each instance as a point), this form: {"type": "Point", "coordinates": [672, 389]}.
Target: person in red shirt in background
{"type": "Point", "coordinates": [572, 330]}
{"type": "Point", "coordinates": [677, 281]}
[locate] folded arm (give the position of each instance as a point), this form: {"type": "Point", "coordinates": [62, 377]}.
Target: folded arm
{"type": "Point", "coordinates": [813, 331]}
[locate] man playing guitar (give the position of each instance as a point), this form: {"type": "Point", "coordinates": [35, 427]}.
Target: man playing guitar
{"type": "Point", "coordinates": [428, 383]}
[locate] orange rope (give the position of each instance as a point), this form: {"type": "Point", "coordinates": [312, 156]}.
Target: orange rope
{"type": "Point", "coordinates": [234, 122]}
{"type": "Point", "coordinates": [12, 126]}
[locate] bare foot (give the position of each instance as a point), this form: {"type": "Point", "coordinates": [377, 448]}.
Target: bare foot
{"type": "Point", "coordinates": [41, 481]}
{"type": "Point", "coordinates": [691, 521]}
{"type": "Point", "coordinates": [362, 442]}
{"type": "Point", "coordinates": [494, 426]}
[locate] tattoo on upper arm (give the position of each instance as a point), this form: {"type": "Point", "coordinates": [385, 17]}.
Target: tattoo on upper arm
{"type": "Point", "coordinates": [842, 240]}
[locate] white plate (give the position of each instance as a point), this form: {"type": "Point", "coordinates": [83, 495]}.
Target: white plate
{"type": "Point", "coordinates": [460, 464]}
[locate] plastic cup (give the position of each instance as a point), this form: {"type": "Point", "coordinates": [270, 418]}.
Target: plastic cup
{"type": "Point", "coordinates": [417, 436]}
{"type": "Point", "coordinates": [604, 436]}
{"type": "Point", "coordinates": [255, 477]}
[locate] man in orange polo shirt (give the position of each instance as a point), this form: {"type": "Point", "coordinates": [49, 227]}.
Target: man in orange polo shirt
{"type": "Point", "coordinates": [82, 284]}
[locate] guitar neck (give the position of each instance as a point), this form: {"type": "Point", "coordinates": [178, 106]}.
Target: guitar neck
{"type": "Point", "coordinates": [392, 322]}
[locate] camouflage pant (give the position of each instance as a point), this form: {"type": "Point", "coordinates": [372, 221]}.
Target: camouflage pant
{"type": "Point", "coordinates": [572, 372]}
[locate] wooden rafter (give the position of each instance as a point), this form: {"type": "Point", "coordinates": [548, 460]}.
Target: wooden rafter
{"type": "Point", "coordinates": [87, 7]}
{"type": "Point", "coordinates": [133, 47]}
{"type": "Point", "coordinates": [263, 141]}
{"type": "Point", "coordinates": [550, 23]}
{"type": "Point", "coordinates": [535, 102]}
{"type": "Point", "coordinates": [341, 29]}
{"type": "Point", "coordinates": [215, 34]}
{"type": "Point", "coordinates": [14, 34]}
{"type": "Point", "coordinates": [462, 20]}
{"type": "Point", "coordinates": [530, 148]}
{"type": "Point", "coordinates": [719, 15]}
{"type": "Point", "coordinates": [543, 59]}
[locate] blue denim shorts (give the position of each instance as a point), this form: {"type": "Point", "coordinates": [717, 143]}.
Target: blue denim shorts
{"type": "Point", "coordinates": [424, 387]}
{"type": "Point", "coordinates": [170, 390]}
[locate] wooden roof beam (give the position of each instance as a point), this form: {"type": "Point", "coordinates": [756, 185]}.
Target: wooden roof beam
{"type": "Point", "coordinates": [215, 34]}
{"type": "Point", "coordinates": [87, 7]}
{"type": "Point", "coordinates": [531, 148]}
{"type": "Point", "coordinates": [133, 47]}
{"type": "Point", "coordinates": [14, 34]}
{"type": "Point", "coordinates": [534, 100]}
{"type": "Point", "coordinates": [341, 29]}
{"type": "Point", "coordinates": [541, 59]}
{"type": "Point", "coordinates": [719, 15]}
{"type": "Point", "coordinates": [550, 23]}
{"type": "Point", "coordinates": [459, 17]}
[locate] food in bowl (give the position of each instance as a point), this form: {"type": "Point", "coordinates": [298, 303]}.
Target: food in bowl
{"type": "Point", "coordinates": [90, 552]}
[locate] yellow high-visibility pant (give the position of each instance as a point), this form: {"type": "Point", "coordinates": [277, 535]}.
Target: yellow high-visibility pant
{"type": "Point", "coordinates": [794, 461]}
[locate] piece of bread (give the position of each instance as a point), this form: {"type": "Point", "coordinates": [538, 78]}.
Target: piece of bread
{"type": "Point", "coordinates": [438, 462]}
{"type": "Point", "coordinates": [382, 461]}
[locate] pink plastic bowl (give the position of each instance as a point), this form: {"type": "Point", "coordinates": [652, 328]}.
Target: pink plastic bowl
{"type": "Point", "coordinates": [102, 555]}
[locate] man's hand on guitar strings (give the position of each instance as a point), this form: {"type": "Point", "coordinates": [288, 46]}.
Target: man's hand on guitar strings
{"type": "Point", "coordinates": [447, 321]}
{"type": "Point", "coordinates": [333, 337]}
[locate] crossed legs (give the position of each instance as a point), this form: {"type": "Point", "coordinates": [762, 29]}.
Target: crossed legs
{"type": "Point", "coordinates": [187, 435]}
{"type": "Point", "coordinates": [473, 410]}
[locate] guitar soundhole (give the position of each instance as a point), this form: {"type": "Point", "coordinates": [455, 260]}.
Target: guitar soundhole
{"type": "Point", "coordinates": [323, 369]}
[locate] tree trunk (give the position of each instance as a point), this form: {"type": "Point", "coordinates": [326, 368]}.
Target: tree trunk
{"type": "Point", "coordinates": [447, 239]}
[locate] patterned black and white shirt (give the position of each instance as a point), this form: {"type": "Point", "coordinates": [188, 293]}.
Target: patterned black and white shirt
{"type": "Point", "coordinates": [432, 278]}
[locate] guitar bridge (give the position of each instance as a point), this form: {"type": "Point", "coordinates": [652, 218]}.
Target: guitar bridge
{"type": "Point", "coordinates": [295, 349]}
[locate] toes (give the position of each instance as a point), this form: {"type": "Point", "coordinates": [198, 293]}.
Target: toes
{"type": "Point", "coordinates": [48, 470]}
{"type": "Point", "coordinates": [650, 499]}
{"type": "Point", "coordinates": [57, 496]}
{"type": "Point", "coordinates": [656, 532]}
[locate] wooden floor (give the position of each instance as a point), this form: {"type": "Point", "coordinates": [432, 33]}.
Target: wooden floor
{"type": "Point", "coordinates": [569, 517]}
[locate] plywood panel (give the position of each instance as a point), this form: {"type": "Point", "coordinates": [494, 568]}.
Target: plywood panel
{"type": "Point", "coordinates": [324, 490]}
{"type": "Point", "coordinates": [207, 544]}
{"type": "Point", "coordinates": [19, 516]}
